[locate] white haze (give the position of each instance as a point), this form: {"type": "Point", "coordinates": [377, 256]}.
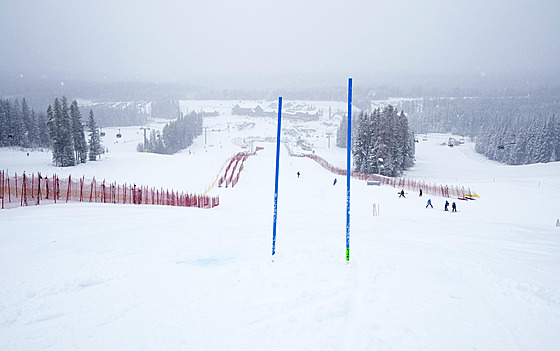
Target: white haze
{"type": "Point", "coordinates": [178, 40]}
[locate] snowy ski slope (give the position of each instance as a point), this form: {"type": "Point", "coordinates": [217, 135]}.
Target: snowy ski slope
{"type": "Point", "coordinates": [125, 277]}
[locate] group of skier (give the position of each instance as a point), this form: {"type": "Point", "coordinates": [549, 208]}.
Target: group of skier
{"type": "Point", "coordinates": [429, 204]}
{"type": "Point", "coordinates": [445, 208]}
{"type": "Point", "coordinates": [453, 206]}
{"type": "Point", "coordinates": [401, 194]}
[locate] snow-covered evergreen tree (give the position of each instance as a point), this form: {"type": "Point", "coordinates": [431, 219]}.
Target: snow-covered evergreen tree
{"type": "Point", "coordinates": [28, 127]}
{"type": "Point", "coordinates": [80, 144]}
{"type": "Point", "coordinates": [53, 127]}
{"type": "Point", "coordinates": [382, 142]}
{"type": "Point", "coordinates": [65, 135]}
{"type": "Point", "coordinates": [18, 134]}
{"type": "Point", "coordinates": [517, 130]}
{"type": "Point", "coordinates": [176, 135]}
{"type": "Point", "coordinates": [95, 148]}
{"type": "Point", "coordinates": [152, 142]}
{"type": "Point", "coordinates": [342, 133]}
{"type": "Point", "coordinates": [42, 130]}
{"type": "Point", "coordinates": [4, 127]}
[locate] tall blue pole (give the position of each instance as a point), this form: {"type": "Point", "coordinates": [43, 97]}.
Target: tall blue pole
{"type": "Point", "coordinates": [276, 179]}
{"type": "Point", "coordinates": [348, 170]}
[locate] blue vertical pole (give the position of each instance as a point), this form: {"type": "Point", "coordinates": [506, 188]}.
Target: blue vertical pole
{"type": "Point", "coordinates": [276, 179]}
{"type": "Point", "coordinates": [348, 170]}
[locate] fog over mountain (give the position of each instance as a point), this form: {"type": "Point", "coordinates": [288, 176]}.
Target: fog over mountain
{"type": "Point", "coordinates": [275, 43]}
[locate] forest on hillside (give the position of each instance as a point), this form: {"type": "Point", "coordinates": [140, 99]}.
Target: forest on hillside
{"type": "Point", "coordinates": [176, 135]}
{"type": "Point", "coordinates": [381, 142]}
{"type": "Point", "coordinates": [511, 130]}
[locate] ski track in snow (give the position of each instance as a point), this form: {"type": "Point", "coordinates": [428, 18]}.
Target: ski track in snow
{"type": "Point", "coordinates": [93, 276]}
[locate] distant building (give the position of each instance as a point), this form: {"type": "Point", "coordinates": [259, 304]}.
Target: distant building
{"type": "Point", "coordinates": [258, 111]}
{"type": "Point", "coordinates": [293, 112]}
{"type": "Point", "coordinates": [241, 111]}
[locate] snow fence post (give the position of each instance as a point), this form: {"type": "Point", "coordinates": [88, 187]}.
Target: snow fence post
{"type": "Point", "coordinates": [348, 154]}
{"type": "Point", "coordinates": [276, 177]}
{"type": "Point", "coordinates": [68, 190]}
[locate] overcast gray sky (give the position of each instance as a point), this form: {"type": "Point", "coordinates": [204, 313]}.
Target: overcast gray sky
{"type": "Point", "coordinates": [172, 40]}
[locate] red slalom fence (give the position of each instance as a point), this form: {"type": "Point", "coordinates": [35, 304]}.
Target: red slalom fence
{"type": "Point", "coordinates": [400, 183]}
{"type": "Point", "coordinates": [25, 190]}
{"type": "Point", "coordinates": [235, 165]}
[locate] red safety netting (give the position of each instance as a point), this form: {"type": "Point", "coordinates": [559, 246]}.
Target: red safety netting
{"type": "Point", "coordinates": [27, 190]}
{"type": "Point", "coordinates": [233, 169]}
{"type": "Point", "coordinates": [400, 183]}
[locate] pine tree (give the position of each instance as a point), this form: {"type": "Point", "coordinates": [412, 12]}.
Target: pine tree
{"type": "Point", "coordinates": [548, 151]}
{"type": "Point", "coordinates": [33, 131]}
{"type": "Point", "coordinates": [382, 143]}
{"type": "Point", "coordinates": [3, 123]}
{"type": "Point", "coordinates": [152, 142]}
{"type": "Point", "coordinates": [176, 135]}
{"type": "Point", "coordinates": [68, 158]}
{"type": "Point", "coordinates": [53, 129]}
{"type": "Point", "coordinates": [94, 138]}
{"type": "Point", "coordinates": [42, 130]}
{"type": "Point", "coordinates": [556, 139]}
{"type": "Point", "coordinates": [28, 135]}
{"type": "Point", "coordinates": [159, 147]}
{"type": "Point", "coordinates": [17, 127]}
{"type": "Point", "coordinates": [342, 133]}
{"type": "Point", "coordinates": [360, 142]}
{"type": "Point", "coordinates": [80, 145]}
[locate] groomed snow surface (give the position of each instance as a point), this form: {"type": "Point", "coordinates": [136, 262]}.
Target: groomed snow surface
{"type": "Point", "coordinates": [82, 276]}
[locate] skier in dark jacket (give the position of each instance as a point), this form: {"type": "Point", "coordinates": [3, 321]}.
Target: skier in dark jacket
{"type": "Point", "coordinates": [402, 193]}
{"type": "Point", "coordinates": [453, 207]}
{"type": "Point", "coordinates": [446, 205]}
{"type": "Point", "coordinates": [420, 192]}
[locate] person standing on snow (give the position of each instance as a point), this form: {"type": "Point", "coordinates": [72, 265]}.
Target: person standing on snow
{"type": "Point", "coordinates": [429, 203]}
{"type": "Point", "coordinates": [334, 183]}
{"type": "Point", "coordinates": [402, 194]}
{"type": "Point", "coordinates": [298, 174]}
{"type": "Point", "coordinates": [453, 207]}
{"type": "Point", "coordinates": [420, 193]}
{"type": "Point", "coordinates": [446, 205]}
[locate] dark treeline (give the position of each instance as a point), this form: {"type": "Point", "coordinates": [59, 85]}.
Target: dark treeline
{"type": "Point", "coordinates": [22, 126]}
{"type": "Point", "coordinates": [536, 142]}
{"type": "Point", "coordinates": [67, 135]}
{"type": "Point", "coordinates": [165, 108]}
{"type": "Point", "coordinates": [176, 135]}
{"type": "Point", "coordinates": [120, 114]}
{"type": "Point", "coordinates": [519, 130]}
{"type": "Point", "coordinates": [134, 113]}
{"type": "Point", "coordinates": [382, 142]}
{"type": "Point", "coordinates": [40, 89]}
